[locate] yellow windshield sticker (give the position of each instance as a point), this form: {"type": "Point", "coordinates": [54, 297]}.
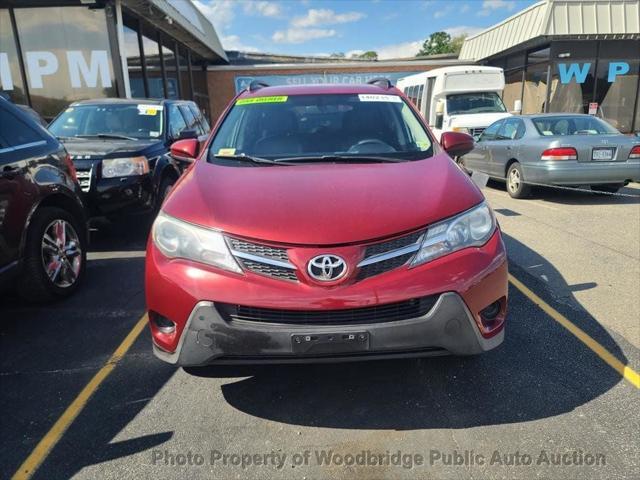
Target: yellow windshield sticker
{"type": "Point", "coordinates": [227, 151]}
{"type": "Point", "coordinates": [149, 109]}
{"type": "Point", "coordinates": [272, 99]}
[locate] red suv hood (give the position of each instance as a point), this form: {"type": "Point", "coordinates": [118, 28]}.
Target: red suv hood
{"type": "Point", "coordinates": [323, 204]}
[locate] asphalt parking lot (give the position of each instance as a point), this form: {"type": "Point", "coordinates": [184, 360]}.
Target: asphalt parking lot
{"type": "Point", "coordinates": [562, 388]}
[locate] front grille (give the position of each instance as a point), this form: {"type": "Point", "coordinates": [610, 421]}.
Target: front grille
{"type": "Point", "coordinates": [396, 243]}
{"type": "Point", "coordinates": [389, 247]}
{"type": "Point", "coordinates": [476, 131]}
{"type": "Point", "coordinates": [263, 259]}
{"type": "Point", "coordinates": [268, 270]}
{"type": "Point", "coordinates": [84, 179]}
{"type": "Point", "coordinates": [259, 250]}
{"type": "Point", "coordinates": [384, 266]}
{"type": "Point", "coordinates": [390, 312]}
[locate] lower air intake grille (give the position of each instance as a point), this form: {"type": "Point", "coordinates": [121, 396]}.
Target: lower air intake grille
{"type": "Point", "coordinates": [390, 312]}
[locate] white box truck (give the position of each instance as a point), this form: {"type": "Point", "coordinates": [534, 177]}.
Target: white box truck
{"type": "Point", "coordinates": [464, 98]}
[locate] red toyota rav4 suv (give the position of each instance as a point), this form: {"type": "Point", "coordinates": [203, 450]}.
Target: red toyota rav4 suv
{"type": "Point", "coordinates": [324, 222]}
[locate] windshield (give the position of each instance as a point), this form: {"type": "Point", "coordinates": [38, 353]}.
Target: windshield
{"type": "Point", "coordinates": [322, 125]}
{"type": "Point", "coordinates": [139, 121]}
{"type": "Point", "coordinates": [479, 102]}
{"type": "Point", "coordinates": [573, 125]}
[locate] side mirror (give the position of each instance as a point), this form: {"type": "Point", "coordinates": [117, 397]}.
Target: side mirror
{"type": "Point", "coordinates": [186, 150]}
{"type": "Point", "coordinates": [457, 144]}
{"type": "Point", "coordinates": [187, 133]}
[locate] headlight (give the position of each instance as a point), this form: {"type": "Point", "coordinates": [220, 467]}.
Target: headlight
{"type": "Point", "coordinates": [177, 239]}
{"type": "Point", "coordinates": [469, 229]}
{"type": "Point", "coordinates": [460, 129]}
{"type": "Point", "coordinates": [124, 167]}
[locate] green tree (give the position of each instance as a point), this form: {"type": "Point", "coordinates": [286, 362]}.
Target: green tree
{"type": "Point", "coordinates": [437, 43]}
{"type": "Point", "coordinates": [369, 55]}
{"type": "Point", "coordinates": [456, 43]}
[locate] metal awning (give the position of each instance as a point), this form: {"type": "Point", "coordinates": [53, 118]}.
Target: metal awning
{"type": "Point", "coordinates": [182, 20]}
{"type": "Point", "coordinates": [556, 19]}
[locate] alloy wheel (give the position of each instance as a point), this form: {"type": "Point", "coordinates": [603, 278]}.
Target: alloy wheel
{"type": "Point", "coordinates": [514, 180]}
{"type": "Point", "coordinates": [61, 253]}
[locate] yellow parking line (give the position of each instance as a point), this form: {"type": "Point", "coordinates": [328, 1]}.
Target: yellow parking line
{"type": "Point", "coordinates": [37, 456]}
{"type": "Point", "coordinates": [625, 371]}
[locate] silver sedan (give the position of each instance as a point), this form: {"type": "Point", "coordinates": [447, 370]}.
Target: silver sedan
{"type": "Point", "coordinates": [555, 149]}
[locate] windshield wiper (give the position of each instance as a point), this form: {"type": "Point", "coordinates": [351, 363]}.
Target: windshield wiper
{"type": "Point", "coordinates": [107, 135]}
{"type": "Point", "coordinates": [340, 158]}
{"type": "Point", "coordinates": [249, 158]}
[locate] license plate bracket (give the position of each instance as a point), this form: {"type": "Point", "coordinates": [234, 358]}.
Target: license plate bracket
{"type": "Point", "coordinates": [330, 343]}
{"type": "Point", "coordinates": [603, 154]}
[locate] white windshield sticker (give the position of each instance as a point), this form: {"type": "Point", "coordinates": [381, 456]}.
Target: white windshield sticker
{"type": "Point", "coordinates": [154, 134]}
{"type": "Point", "coordinates": [149, 109]}
{"type": "Point", "coordinates": [371, 97]}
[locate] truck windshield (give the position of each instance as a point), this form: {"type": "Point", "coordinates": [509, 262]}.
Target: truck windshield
{"type": "Point", "coordinates": [138, 121]}
{"type": "Point", "coordinates": [479, 102]}
{"type": "Point", "coordinates": [281, 127]}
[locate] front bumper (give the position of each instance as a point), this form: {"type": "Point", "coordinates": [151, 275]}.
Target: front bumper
{"type": "Point", "coordinates": [466, 281]}
{"type": "Point", "coordinates": [120, 196]}
{"type": "Point", "coordinates": [568, 172]}
{"type": "Point", "coordinates": [208, 338]}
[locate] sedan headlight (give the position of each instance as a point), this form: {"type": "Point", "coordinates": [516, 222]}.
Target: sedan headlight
{"type": "Point", "coordinates": [177, 239]}
{"type": "Point", "coordinates": [124, 167]}
{"type": "Point", "coordinates": [460, 129]}
{"type": "Point", "coordinates": [470, 229]}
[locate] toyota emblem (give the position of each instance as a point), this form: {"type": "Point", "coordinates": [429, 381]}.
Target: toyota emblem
{"type": "Point", "coordinates": [327, 268]}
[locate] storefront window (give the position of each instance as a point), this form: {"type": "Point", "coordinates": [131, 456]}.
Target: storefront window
{"type": "Point", "coordinates": [152, 59]}
{"type": "Point", "coordinates": [535, 85]}
{"type": "Point", "coordinates": [512, 88]}
{"type": "Point", "coordinates": [131, 50]}
{"type": "Point", "coordinates": [573, 76]}
{"type": "Point", "coordinates": [10, 77]}
{"type": "Point", "coordinates": [170, 68]}
{"type": "Point", "coordinates": [185, 82]}
{"type": "Point", "coordinates": [66, 55]}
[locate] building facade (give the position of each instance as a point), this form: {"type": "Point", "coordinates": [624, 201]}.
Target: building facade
{"type": "Point", "coordinates": [580, 56]}
{"type": "Point", "coordinates": [228, 80]}
{"type": "Point", "coordinates": [53, 52]}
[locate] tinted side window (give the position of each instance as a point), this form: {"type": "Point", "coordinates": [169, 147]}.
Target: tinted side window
{"type": "Point", "coordinates": [512, 129]}
{"type": "Point", "coordinates": [176, 121]}
{"type": "Point", "coordinates": [491, 131]}
{"type": "Point", "coordinates": [192, 122]}
{"type": "Point", "coordinates": [200, 117]}
{"type": "Point", "coordinates": [15, 131]}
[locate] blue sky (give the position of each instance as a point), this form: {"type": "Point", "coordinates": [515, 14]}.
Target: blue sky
{"type": "Point", "coordinates": [394, 28]}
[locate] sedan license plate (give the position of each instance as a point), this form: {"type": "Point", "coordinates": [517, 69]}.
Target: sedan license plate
{"type": "Point", "coordinates": [603, 154]}
{"type": "Point", "coordinates": [330, 343]}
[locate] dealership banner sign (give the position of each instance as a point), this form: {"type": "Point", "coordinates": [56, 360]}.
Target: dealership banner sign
{"type": "Point", "coordinates": [242, 82]}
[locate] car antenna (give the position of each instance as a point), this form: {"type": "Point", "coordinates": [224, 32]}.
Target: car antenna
{"type": "Point", "coordinates": [381, 82]}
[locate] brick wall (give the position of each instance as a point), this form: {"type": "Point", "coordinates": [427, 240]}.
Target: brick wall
{"type": "Point", "coordinates": [221, 83]}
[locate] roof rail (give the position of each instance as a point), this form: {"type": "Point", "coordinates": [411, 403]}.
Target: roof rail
{"type": "Point", "coordinates": [381, 82]}
{"type": "Point", "coordinates": [257, 85]}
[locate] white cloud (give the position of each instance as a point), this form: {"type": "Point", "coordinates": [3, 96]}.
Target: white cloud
{"type": "Point", "coordinates": [463, 30]}
{"type": "Point", "coordinates": [263, 8]}
{"type": "Point", "coordinates": [220, 13]}
{"type": "Point", "coordinates": [234, 42]}
{"type": "Point", "coordinates": [325, 16]}
{"type": "Point", "coordinates": [396, 50]}
{"type": "Point", "coordinates": [301, 35]}
{"type": "Point", "coordinates": [489, 6]}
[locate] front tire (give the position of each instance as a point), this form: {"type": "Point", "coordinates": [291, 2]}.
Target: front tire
{"type": "Point", "coordinates": [55, 255]}
{"type": "Point", "coordinates": [166, 185]}
{"type": "Point", "coordinates": [516, 187]}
